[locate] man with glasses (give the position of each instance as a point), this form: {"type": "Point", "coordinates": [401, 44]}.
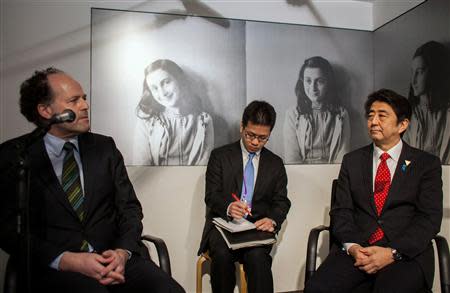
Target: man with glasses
{"type": "Point", "coordinates": [246, 169]}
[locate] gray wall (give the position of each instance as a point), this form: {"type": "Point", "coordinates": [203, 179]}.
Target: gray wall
{"type": "Point", "coordinates": [37, 34]}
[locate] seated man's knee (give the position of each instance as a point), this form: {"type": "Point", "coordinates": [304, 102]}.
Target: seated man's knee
{"type": "Point", "coordinates": [315, 287]}
{"type": "Point", "coordinates": [257, 256]}
{"type": "Point", "coordinates": [221, 257]}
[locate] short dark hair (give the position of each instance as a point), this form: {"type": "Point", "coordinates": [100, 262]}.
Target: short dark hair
{"type": "Point", "coordinates": [260, 113]}
{"type": "Point", "coordinates": [399, 103]}
{"type": "Point", "coordinates": [34, 91]}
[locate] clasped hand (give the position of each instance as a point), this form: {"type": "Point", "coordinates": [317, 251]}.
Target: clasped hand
{"type": "Point", "coordinates": [371, 259]}
{"type": "Point", "coordinates": [107, 268]}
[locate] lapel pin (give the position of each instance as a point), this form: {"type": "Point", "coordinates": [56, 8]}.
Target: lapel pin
{"type": "Point", "coordinates": [405, 164]}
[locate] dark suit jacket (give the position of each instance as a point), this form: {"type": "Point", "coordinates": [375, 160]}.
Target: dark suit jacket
{"type": "Point", "coordinates": [412, 213]}
{"type": "Point", "coordinates": [224, 175]}
{"type": "Point", "coordinates": [113, 213]}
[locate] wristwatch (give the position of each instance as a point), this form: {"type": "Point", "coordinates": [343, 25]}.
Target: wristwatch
{"type": "Point", "coordinates": [396, 255]}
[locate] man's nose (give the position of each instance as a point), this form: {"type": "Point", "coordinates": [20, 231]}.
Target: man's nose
{"type": "Point", "coordinates": [375, 120]}
{"type": "Point", "coordinates": [85, 104]}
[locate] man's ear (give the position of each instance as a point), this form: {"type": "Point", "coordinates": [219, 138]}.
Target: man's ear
{"type": "Point", "coordinates": [45, 111]}
{"type": "Point", "coordinates": [241, 128]}
{"type": "Point", "coordinates": [404, 125]}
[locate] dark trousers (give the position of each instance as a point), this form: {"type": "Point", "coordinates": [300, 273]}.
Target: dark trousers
{"type": "Point", "coordinates": [257, 266]}
{"type": "Point", "coordinates": [141, 275]}
{"type": "Point", "coordinates": [338, 274]}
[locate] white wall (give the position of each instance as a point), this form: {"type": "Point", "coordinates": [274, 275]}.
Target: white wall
{"type": "Point", "coordinates": [383, 11]}
{"type": "Point", "coordinates": [36, 34]}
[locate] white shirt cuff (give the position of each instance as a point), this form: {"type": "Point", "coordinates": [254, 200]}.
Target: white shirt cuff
{"type": "Point", "coordinates": [348, 245]}
{"type": "Point", "coordinates": [55, 263]}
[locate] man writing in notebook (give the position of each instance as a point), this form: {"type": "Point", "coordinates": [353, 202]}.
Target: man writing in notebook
{"type": "Point", "coordinates": [388, 208]}
{"type": "Point", "coordinates": [258, 177]}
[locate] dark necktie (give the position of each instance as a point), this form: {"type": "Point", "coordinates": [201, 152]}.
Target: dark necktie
{"type": "Point", "coordinates": [71, 184]}
{"type": "Point", "coordinates": [381, 190]}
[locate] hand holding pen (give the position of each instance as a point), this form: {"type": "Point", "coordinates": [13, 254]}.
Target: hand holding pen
{"type": "Point", "coordinates": [238, 208]}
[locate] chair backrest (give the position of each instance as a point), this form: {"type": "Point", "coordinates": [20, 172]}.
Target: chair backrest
{"type": "Point", "coordinates": [10, 285]}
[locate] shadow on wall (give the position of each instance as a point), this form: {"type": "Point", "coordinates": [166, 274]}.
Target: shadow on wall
{"type": "Point", "coordinates": [197, 221]}
{"type": "Point", "coordinates": [346, 83]}
{"type": "Point", "coordinates": [213, 103]}
{"type": "Point", "coordinates": [446, 214]}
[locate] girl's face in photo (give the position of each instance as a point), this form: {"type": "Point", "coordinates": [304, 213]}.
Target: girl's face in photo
{"type": "Point", "coordinates": [315, 84]}
{"type": "Point", "coordinates": [418, 76]}
{"type": "Point", "coordinates": [164, 87]}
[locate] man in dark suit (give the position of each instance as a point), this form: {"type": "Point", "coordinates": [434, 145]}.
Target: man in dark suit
{"type": "Point", "coordinates": [85, 217]}
{"type": "Point", "coordinates": [388, 209]}
{"type": "Point", "coordinates": [263, 200]}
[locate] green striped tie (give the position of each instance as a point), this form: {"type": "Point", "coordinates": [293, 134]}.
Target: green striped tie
{"type": "Point", "coordinates": [71, 184]}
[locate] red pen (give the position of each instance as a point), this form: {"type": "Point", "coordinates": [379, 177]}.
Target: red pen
{"type": "Point", "coordinates": [237, 199]}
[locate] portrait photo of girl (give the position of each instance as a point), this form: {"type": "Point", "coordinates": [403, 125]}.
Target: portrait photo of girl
{"type": "Point", "coordinates": [172, 128]}
{"type": "Point", "coordinates": [317, 129]}
{"type": "Point", "coordinates": [429, 95]}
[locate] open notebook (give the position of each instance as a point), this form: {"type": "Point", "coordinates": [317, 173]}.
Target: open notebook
{"type": "Point", "coordinates": [235, 225]}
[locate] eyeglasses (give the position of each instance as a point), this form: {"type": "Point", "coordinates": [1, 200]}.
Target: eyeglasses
{"type": "Point", "coordinates": [251, 136]}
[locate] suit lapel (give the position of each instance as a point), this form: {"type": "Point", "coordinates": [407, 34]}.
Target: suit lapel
{"type": "Point", "coordinates": [88, 161]}
{"type": "Point", "coordinates": [46, 174]}
{"type": "Point", "coordinates": [261, 173]}
{"type": "Point", "coordinates": [235, 161]}
{"type": "Point", "coordinates": [401, 172]}
{"type": "Point", "coordinates": [367, 171]}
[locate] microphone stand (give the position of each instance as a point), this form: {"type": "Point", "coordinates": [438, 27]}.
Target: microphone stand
{"type": "Point", "coordinates": [23, 205]}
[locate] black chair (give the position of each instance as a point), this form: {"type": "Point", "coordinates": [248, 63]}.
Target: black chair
{"type": "Point", "coordinates": [311, 253]}
{"type": "Point", "coordinates": [10, 285]}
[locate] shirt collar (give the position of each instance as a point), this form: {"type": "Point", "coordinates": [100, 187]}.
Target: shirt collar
{"type": "Point", "coordinates": [245, 152]}
{"type": "Point", "coordinates": [55, 144]}
{"type": "Point", "coordinates": [393, 152]}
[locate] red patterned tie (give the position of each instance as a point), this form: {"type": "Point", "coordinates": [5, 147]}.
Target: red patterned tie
{"type": "Point", "coordinates": [382, 185]}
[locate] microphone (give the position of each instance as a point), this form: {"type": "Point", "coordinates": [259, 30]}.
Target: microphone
{"type": "Point", "coordinates": [65, 116]}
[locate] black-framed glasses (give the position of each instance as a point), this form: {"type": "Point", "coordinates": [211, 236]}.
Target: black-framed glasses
{"type": "Point", "coordinates": [251, 136]}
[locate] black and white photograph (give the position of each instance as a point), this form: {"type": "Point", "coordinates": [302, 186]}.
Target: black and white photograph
{"type": "Point", "coordinates": [429, 95]}
{"type": "Point", "coordinates": [317, 129]}
{"type": "Point", "coordinates": [178, 94]}
{"type": "Point", "coordinates": [318, 79]}
{"type": "Point", "coordinates": [172, 128]}
{"type": "Point", "coordinates": [416, 63]}
{"type": "Point", "coordinates": [173, 85]}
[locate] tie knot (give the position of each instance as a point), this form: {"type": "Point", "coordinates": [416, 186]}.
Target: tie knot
{"type": "Point", "coordinates": [68, 146]}
{"type": "Point", "coordinates": [384, 156]}
{"type": "Point", "coordinates": [251, 156]}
